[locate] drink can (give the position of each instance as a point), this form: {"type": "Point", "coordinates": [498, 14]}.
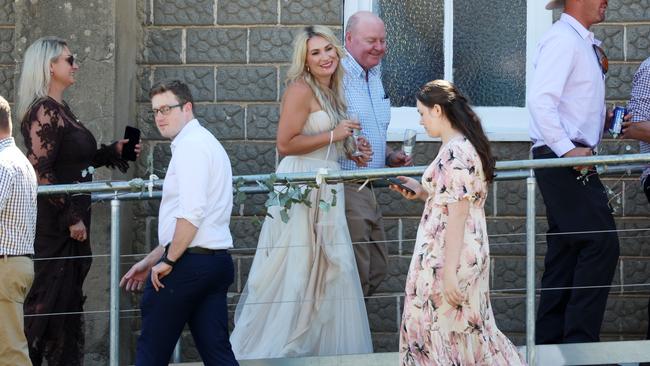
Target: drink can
{"type": "Point", "coordinates": [617, 120]}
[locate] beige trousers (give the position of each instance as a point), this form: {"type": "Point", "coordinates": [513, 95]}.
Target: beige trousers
{"type": "Point", "coordinates": [16, 276]}
{"type": "Point", "coordinates": [366, 227]}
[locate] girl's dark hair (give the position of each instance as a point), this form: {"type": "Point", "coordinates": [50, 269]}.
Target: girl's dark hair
{"type": "Point", "coordinates": [458, 111]}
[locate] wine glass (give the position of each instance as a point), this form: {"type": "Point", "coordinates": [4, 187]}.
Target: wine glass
{"type": "Point", "coordinates": [356, 133]}
{"type": "Point", "coordinates": [409, 141]}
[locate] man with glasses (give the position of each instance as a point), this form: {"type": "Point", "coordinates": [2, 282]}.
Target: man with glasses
{"type": "Point", "coordinates": [187, 276]}
{"type": "Point", "coordinates": [17, 231]}
{"type": "Point", "coordinates": [567, 105]}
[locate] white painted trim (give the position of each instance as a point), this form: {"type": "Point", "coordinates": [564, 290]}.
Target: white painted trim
{"type": "Point", "coordinates": [448, 39]}
{"type": "Point", "coordinates": [352, 6]}
{"type": "Point", "coordinates": [514, 128]}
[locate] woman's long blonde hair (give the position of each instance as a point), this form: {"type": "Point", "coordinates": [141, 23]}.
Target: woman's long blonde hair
{"type": "Point", "coordinates": [35, 76]}
{"type": "Point", "coordinates": [331, 99]}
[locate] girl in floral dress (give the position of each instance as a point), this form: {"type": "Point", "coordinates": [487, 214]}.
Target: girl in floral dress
{"type": "Point", "coordinates": [447, 317]}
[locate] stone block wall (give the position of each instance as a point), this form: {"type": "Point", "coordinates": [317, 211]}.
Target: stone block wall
{"type": "Point", "coordinates": [7, 45]}
{"type": "Point", "coordinates": [234, 54]}
{"type": "Point", "coordinates": [90, 28]}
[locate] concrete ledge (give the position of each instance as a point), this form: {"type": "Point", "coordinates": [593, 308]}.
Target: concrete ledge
{"type": "Point", "coordinates": [592, 353]}
{"type": "Point", "coordinates": [562, 354]}
{"type": "Point", "coordinates": [374, 359]}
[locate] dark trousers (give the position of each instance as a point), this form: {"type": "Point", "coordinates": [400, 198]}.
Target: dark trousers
{"type": "Point", "coordinates": [577, 259]}
{"type": "Point", "coordinates": [366, 226]}
{"type": "Point", "coordinates": [194, 293]}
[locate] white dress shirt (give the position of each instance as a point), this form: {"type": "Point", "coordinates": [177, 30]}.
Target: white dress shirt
{"type": "Point", "coordinates": [197, 188]}
{"type": "Point", "coordinates": [567, 96]}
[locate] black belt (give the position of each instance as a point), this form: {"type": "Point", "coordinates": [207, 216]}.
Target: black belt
{"type": "Point", "coordinates": [545, 150]}
{"type": "Point", "coordinates": [199, 250]}
{"type": "Point", "coordinates": [30, 256]}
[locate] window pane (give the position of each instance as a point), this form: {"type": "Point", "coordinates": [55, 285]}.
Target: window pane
{"type": "Point", "coordinates": [490, 51]}
{"type": "Point", "coordinates": [415, 46]}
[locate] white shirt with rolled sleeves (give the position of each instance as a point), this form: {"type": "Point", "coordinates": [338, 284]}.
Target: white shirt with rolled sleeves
{"type": "Point", "coordinates": [197, 188]}
{"type": "Point", "coordinates": [567, 96]}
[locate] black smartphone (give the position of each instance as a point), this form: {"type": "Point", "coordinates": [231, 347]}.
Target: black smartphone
{"type": "Point", "coordinates": [128, 150]}
{"type": "Point", "coordinates": [399, 183]}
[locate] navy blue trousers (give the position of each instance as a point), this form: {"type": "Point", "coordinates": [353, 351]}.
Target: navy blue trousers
{"type": "Point", "coordinates": [194, 294]}
{"type": "Point", "coordinates": [575, 260]}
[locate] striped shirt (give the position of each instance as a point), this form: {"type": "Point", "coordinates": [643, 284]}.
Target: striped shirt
{"type": "Point", "coordinates": [17, 200]}
{"type": "Point", "coordinates": [640, 103]}
{"type": "Point", "coordinates": [368, 100]}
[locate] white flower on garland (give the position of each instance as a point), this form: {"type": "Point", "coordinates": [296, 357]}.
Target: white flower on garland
{"type": "Point", "coordinates": [90, 170]}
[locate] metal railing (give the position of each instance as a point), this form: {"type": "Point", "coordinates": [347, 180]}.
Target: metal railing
{"type": "Point", "coordinates": [505, 170]}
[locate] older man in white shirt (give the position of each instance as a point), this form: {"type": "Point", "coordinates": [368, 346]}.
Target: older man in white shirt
{"type": "Point", "coordinates": [191, 269]}
{"type": "Point", "coordinates": [567, 105]}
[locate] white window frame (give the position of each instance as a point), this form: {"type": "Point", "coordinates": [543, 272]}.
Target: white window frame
{"type": "Point", "coordinates": [500, 123]}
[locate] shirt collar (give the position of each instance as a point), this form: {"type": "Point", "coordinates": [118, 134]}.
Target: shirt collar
{"type": "Point", "coordinates": [354, 68]}
{"type": "Point", "coordinates": [6, 142]}
{"type": "Point", "coordinates": [579, 28]}
{"type": "Point", "coordinates": [192, 124]}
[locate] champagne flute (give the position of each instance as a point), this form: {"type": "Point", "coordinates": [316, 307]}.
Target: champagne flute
{"type": "Point", "coordinates": [356, 133]}
{"type": "Point", "coordinates": [409, 141]}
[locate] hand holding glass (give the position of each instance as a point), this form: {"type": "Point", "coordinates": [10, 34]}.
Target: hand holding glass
{"type": "Point", "coordinates": [355, 135]}
{"type": "Point", "coordinates": [409, 141]}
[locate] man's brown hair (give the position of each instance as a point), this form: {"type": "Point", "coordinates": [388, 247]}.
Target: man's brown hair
{"type": "Point", "coordinates": [177, 87]}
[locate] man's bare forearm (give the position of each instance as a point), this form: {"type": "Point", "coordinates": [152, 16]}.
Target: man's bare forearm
{"type": "Point", "coordinates": [154, 256]}
{"type": "Point", "coordinates": [184, 233]}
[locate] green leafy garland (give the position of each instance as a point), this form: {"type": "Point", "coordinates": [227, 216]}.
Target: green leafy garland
{"type": "Point", "coordinates": [284, 195]}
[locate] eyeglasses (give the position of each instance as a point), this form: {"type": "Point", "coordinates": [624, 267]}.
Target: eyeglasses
{"type": "Point", "coordinates": [602, 59]}
{"type": "Point", "coordinates": [164, 110]}
{"type": "Point", "coordinates": [70, 60]}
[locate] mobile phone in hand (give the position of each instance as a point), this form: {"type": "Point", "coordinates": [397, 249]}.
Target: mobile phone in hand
{"type": "Point", "coordinates": [128, 150]}
{"type": "Point", "coordinates": [399, 183]}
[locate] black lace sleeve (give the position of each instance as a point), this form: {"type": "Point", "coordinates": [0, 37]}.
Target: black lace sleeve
{"type": "Point", "coordinates": [107, 156]}
{"type": "Point", "coordinates": [42, 129]}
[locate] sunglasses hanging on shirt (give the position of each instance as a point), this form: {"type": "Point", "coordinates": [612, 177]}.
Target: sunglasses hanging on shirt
{"type": "Point", "coordinates": [602, 59]}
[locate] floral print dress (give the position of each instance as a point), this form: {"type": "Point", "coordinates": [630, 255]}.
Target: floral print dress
{"type": "Point", "coordinates": [433, 332]}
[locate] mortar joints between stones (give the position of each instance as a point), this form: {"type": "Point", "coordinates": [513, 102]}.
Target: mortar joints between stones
{"type": "Point", "coordinates": [184, 46]}
{"type": "Point", "coordinates": [214, 11]}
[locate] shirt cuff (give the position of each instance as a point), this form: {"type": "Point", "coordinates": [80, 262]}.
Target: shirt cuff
{"type": "Point", "coordinates": [562, 146]}
{"type": "Point", "coordinates": [195, 221]}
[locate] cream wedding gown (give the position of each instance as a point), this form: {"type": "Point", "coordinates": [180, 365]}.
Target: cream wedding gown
{"type": "Point", "coordinates": [303, 296]}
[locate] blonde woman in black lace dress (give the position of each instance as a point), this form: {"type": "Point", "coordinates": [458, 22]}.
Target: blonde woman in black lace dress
{"type": "Point", "coordinates": [60, 148]}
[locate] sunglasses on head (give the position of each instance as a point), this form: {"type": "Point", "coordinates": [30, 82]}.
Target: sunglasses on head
{"type": "Point", "coordinates": [70, 60]}
{"type": "Point", "coordinates": [602, 59]}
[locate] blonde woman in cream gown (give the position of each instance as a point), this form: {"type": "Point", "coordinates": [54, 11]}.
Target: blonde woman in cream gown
{"type": "Point", "coordinates": [303, 295]}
